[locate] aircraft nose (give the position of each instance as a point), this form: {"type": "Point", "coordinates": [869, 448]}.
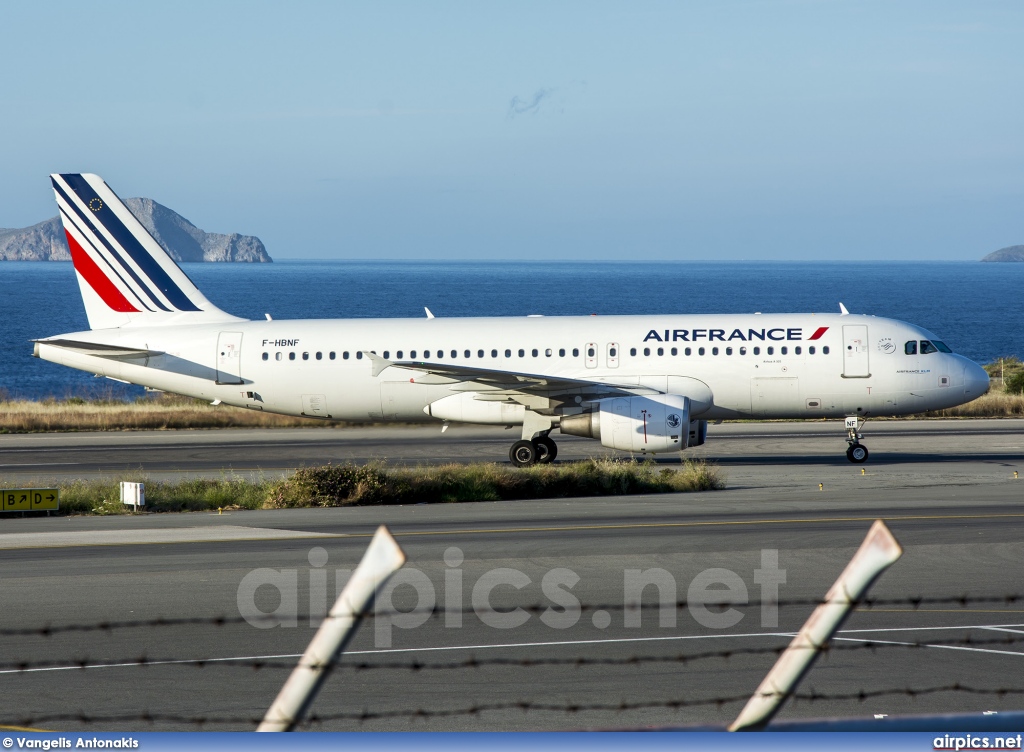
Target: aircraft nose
{"type": "Point", "coordinates": [975, 380]}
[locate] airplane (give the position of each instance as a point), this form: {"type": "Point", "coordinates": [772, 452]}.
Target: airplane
{"type": "Point", "coordinates": [643, 384]}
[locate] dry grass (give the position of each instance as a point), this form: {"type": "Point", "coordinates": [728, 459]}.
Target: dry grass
{"type": "Point", "coordinates": [148, 413]}
{"type": "Point", "coordinates": [352, 485]}
{"type": "Point", "coordinates": [378, 484]}
{"type": "Point", "coordinates": [168, 411]}
{"type": "Point", "coordinates": [995, 404]}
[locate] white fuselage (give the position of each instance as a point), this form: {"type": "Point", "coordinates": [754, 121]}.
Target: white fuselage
{"type": "Point", "coordinates": [731, 366]}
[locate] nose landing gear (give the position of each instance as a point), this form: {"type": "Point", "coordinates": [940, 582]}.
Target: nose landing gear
{"type": "Point", "coordinates": [856, 452]}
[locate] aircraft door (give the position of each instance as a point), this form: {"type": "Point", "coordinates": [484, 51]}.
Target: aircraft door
{"type": "Point", "coordinates": [229, 358]}
{"type": "Point", "coordinates": [591, 354]}
{"type": "Point", "coordinates": [613, 355]}
{"type": "Point", "coordinates": [855, 352]}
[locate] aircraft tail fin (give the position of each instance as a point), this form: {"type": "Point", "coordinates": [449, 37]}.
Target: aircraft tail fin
{"type": "Point", "coordinates": [125, 276]}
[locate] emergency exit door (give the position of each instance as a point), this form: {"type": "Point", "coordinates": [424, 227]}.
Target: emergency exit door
{"type": "Point", "coordinates": [229, 358]}
{"type": "Point", "coordinates": [855, 352]}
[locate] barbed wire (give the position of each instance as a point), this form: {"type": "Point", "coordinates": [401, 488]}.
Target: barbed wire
{"type": "Point", "coordinates": [258, 664]}
{"type": "Point", "coordinates": [525, 706]}
{"type": "Point", "coordinates": [914, 603]}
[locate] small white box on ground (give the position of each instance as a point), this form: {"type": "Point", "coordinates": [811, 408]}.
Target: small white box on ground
{"type": "Point", "coordinates": [133, 494]}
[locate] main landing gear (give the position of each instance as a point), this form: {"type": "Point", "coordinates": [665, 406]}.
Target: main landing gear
{"type": "Point", "coordinates": [856, 452]}
{"type": "Point", "coordinates": [540, 450]}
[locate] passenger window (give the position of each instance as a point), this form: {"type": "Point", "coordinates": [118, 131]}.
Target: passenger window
{"type": "Point", "coordinates": [728, 351]}
{"type": "Point", "coordinates": [632, 351]}
{"type": "Point", "coordinates": [674, 351]}
{"type": "Point", "coordinates": [291, 356]}
{"type": "Point", "coordinates": [455, 354]}
{"type": "Point", "coordinates": [757, 351]}
{"type": "Point", "coordinates": [344, 355]}
{"type": "Point", "coordinates": [700, 350]}
{"type": "Point", "coordinates": [398, 355]}
{"type": "Point", "coordinates": [561, 352]}
{"type": "Point", "coordinates": [576, 352]}
{"type": "Point", "coordinates": [522, 353]}
{"type": "Point", "coordinates": [468, 354]}
{"type": "Point", "coordinates": [479, 353]}
{"type": "Point", "coordinates": [661, 351]}
{"type": "Point", "coordinates": [927, 348]}
{"type": "Point", "coordinates": [590, 352]}
{"type": "Point", "coordinates": [508, 353]}
{"type": "Point", "coordinates": [387, 355]}
{"type": "Point", "coordinates": [266, 356]}
{"type": "Point", "coordinates": [359, 355]}
{"type": "Point", "coordinates": [770, 350]}
{"type": "Point", "coordinates": [714, 351]}
{"type": "Point", "coordinates": [688, 351]}
{"type": "Point", "coordinates": [647, 351]}
{"type": "Point", "coordinates": [743, 351]}
{"type": "Point", "coordinates": [796, 350]}
{"type": "Point", "coordinates": [494, 353]}
{"type": "Point", "coordinates": [824, 349]}
{"type": "Point", "coordinates": [412, 355]}
{"type": "Point", "coordinates": [277, 356]}
{"type": "Point", "coordinates": [548, 352]}
{"type": "Point", "coordinates": [784, 350]}
{"type": "Point", "coordinates": [810, 350]}
{"type": "Point", "coordinates": [319, 356]}
{"type": "Point", "coordinates": [305, 356]}
{"type": "Point", "coordinates": [534, 353]}
{"type": "Point", "coordinates": [910, 348]}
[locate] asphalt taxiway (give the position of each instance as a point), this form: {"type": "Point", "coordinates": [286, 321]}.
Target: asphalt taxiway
{"type": "Point", "coordinates": [946, 490]}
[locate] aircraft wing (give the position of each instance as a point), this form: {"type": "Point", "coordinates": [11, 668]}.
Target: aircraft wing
{"type": "Point", "coordinates": [489, 380]}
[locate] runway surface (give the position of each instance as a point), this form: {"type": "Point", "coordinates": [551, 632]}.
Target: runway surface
{"type": "Point", "coordinates": [946, 490]}
{"type": "Point", "coordinates": [753, 455]}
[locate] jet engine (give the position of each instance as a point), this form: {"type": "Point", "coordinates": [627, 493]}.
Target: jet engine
{"type": "Point", "coordinates": [698, 432]}
{"type": "Point", "coordinates": [657, 423]}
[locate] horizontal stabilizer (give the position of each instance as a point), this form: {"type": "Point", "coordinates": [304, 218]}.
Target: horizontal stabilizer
{"type": "Point", "coordinates": [97, 349]}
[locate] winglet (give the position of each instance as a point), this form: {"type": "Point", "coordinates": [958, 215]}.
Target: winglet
{"type": "Point", "coordinates": [377, 362]}
{"type": "Point", "coordinates": [429, 314]}
{"type": "Point", "coordinates": [843, 311]}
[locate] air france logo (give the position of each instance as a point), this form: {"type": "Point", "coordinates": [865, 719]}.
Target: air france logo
{"type": "Point", "coordinates": [719, 335]}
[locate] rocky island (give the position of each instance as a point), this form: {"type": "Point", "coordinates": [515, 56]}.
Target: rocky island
{"type": "Point", "coordinates": [1010, 253]}
{"type": "Point", "coordinates": [179, 237]}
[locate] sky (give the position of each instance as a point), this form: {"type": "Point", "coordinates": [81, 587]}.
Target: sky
{"type": "Point", "coordinates": [760, 130]}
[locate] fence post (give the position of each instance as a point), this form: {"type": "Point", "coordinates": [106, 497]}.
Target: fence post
{"type": "Point", "coordinates": [876, 554]}
{"type": "Point", "coordinates": [382, 559]}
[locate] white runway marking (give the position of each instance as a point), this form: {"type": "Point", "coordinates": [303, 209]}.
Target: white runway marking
{"type": "Point", "coordinates": [677, 638]}
{"type": "Point", "coordinates": [210, 534]}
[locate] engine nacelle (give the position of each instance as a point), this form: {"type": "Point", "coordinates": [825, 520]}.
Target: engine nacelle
{"type": "Point", "coordinates": [698, 432]}
{"type": "Point", "coordinates": [658, 423]}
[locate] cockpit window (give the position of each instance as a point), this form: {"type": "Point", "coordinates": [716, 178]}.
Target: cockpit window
{"type": "Point", "coordinates": [910, 348]}
{"type": "Point", "coordinates": [943, 347]}
{"type": "Point", "coordinates": [927, 347]}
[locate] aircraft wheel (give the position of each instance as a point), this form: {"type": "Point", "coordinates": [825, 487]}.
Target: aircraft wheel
{"type": "Point", "coordinates": [547, 449]}
{"type": "Point", "coordinates": [523, 454]}
{"type": "Point", "coordinates": [857, 453]}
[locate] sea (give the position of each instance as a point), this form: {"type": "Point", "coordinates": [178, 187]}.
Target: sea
{"type": "Point", "coordinates": [976, 308]}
